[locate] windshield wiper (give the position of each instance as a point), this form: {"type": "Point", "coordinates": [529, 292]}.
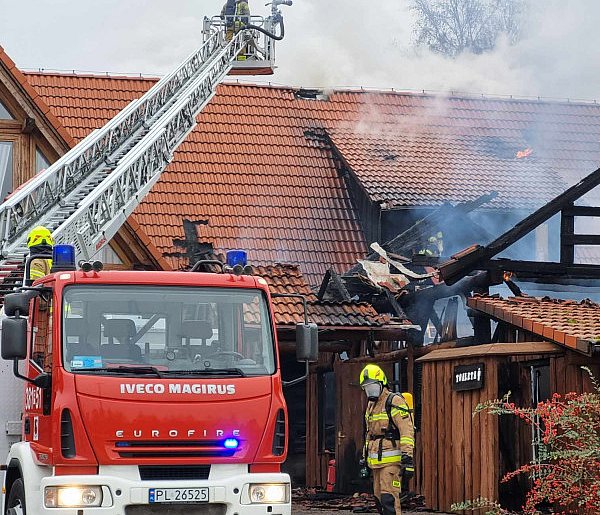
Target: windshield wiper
{"type": "Point", "coordinates": [238, 372]}
{"type": "Point", "coordinates": [123, 369]}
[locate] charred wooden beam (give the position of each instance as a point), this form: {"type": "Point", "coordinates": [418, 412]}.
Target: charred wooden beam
{"type": "Point", "coordinates": [396, 308]}
{"type": "Point", "coordinates": [415, 233]}
{"type": "Point", "coordinates": [456, 269]}
{"type": "Point", "coordinates": [549, 271]}
{"type": "Point", "coordinates": [516, 291]}
{"type": "Point", "coordinates": [418, 305]}
{"type": "Point", "coordinates": [442, 291]}
{"type": "Point", "coordinates": [324, 285]}
{"type": "Point", "coordinates": [449, 321]}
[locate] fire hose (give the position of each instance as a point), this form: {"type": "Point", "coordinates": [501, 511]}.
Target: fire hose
{"type": "Point", "coordinates": [267, 33]}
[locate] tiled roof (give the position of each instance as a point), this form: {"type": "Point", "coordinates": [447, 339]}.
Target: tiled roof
{"type": "Point", "coordinates": [251, 171]}
{"type": "Point", "coordinates": [289, 311]}
{"type": "Point", "coordinates": [430, 169]}
{"type": "Point", "coordinates": [566, 322]}
{"type": "Point", "coordinates": [410, 149]}
{"type": "Point", "coordinates": [246, 168]}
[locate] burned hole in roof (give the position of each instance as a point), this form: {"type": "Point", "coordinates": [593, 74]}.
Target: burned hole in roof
{"type": "Point", "coordinates": [386, 154]}
{"type": "Point", "coordinates": [499, 148]}
{"type": "Point", "coordinates": [310, 94]}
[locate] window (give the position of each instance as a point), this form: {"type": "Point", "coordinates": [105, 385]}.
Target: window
{"type": "Point", "coordinates": [176, 330]}
{"type": "Point", "coordinates": [6, 168]}
{"type": "Point", "coordinates": [41, 163]}
{"type": "Point", "coordinates": [4, 114]}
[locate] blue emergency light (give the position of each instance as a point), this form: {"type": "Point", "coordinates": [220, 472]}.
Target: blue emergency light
{"type": "Point", "coordinates": [63, 258]}
{"type": "Point", "coordinates": [231, 443]}
{"type": "Point", "coordinates": [237, 257]}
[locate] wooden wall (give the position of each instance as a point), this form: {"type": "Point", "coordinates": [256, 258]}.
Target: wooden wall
{"type": "Point", "coordinates": [566, 374]}
{"type": "Point", "coordinates": [459, 452]}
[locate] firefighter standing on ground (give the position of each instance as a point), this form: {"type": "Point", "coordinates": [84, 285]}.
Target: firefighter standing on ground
{"type": "Point", "coordinates": [40, 243]}
{"type": "Point", "coordinates": [389, 440]}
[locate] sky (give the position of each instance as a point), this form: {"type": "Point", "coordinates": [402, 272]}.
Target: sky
{"type": "Point", "coordinates": [328, 43]}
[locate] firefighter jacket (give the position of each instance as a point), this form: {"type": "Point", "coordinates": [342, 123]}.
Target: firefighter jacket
{"type": "Point", "coordinates": [239, 16]}
{"type": "Point", "coordinates": [42, 264]}
{"type": "Point", "coordinates": [39, 268]}
{"type": "Point", "coordinates": [384, 444]}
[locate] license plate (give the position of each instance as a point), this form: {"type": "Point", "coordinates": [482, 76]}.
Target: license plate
{"type": "Point", "coordinates": [156, 495]}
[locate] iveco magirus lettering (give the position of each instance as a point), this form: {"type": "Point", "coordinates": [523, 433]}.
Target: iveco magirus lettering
{"type": "Point", "coordinates": [197, 389]}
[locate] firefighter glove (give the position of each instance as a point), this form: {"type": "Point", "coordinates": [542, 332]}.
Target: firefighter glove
{"type": "Point", "coordinates": [408, 467]}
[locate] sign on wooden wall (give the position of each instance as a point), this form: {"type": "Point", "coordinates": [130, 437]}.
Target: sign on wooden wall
{"type": "Point", "coordinates": [468, 377]}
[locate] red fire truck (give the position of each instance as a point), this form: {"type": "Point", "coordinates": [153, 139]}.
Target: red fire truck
{"type": "Point", "coordinates": [147, 392]}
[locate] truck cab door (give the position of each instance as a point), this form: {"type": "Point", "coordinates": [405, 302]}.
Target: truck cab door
{"type": "Point", "coordinates": [38, 401]}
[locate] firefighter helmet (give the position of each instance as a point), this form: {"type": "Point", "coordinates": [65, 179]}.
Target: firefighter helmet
{"type": "Point", "coordinates": [372, 374]}
{"type": "Point", "coordinates": [39, 235]}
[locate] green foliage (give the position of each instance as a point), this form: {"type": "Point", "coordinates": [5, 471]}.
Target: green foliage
{"type": "Point", "coordinates": [567, 470]}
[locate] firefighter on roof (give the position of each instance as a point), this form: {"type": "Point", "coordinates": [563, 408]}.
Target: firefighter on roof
{"type": "Point", "coordinates": [389, 439]}
{"type": "Point", "coordinates": [40, 243]}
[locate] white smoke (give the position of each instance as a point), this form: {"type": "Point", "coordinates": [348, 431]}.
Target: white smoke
{"type": "Point", "coordinates": [329, 43]}
{"type": "Point", "coordinates": [347, 43]}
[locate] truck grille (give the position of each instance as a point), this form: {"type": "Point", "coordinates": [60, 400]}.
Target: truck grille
{"type": "Point", "coordinates": [172, 449]}
{"type": "Point", "coordinates": [181, 473]}
{"type": "Point", "coordinates": [175, 509]}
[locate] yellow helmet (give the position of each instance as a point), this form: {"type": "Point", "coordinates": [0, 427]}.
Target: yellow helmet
{"type": "Point", "coordinates": [39, 235]}
{"type": "Point", "coordinates": [371, 374]}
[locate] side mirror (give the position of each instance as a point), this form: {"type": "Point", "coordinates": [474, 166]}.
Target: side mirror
{"type": "Point", "coordinates": [17, 304]}
{"type": "Point", "coordinates": [14, 338]}
{"type": "Point", "coordinates": [307, 342]}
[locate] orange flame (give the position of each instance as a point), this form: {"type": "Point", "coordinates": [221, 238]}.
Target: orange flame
{"type": "Point", "coordinates": [524, 153]}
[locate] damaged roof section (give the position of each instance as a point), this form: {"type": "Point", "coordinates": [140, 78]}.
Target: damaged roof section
{"type": "Point", "coordinates": [567, 322]}
{"type": "Point", "coordinates": [427, 169]}
{"type": "Point", "coordinates": [289, 311]}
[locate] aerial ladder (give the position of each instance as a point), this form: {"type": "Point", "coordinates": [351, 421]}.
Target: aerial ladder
{"type": "Point", "coordinates": [86, 196]}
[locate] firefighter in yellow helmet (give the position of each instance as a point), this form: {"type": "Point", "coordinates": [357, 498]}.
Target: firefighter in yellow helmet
{"type": "Point", "coordinates": [40, 243]}
{"type": "Point", "coordinates": [389, 439]}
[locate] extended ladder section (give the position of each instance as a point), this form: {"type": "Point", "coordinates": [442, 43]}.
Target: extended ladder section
{"type": "Point", "coordinates": [86, 195]}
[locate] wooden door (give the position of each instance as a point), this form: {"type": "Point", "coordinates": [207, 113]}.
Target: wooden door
{"type": "Point", "coordinates": [350, 409]}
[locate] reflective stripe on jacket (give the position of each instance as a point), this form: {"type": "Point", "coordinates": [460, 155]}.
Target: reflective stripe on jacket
{"type": "Point", "coordinates": [241, 17]}
{"type": "Point", "coordinates": [382, 450]}
{"type": "Point", "coordinates": [39, 268]}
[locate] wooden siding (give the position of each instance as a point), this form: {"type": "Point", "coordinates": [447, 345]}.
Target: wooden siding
{"type": "Point", "coordinates": [459, 452]}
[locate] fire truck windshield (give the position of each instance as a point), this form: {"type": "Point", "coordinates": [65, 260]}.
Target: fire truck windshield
{"type": "Point", "coordinates": [166, 331]}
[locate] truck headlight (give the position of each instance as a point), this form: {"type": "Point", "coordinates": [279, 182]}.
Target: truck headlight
{"type": "Point", "coordinates": [273, 493]}
{"type": "Point", "coordinates": [72, 496]}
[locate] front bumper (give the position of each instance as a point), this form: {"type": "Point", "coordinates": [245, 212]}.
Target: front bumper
{"type": "Point", "coordinates": [128, 495]}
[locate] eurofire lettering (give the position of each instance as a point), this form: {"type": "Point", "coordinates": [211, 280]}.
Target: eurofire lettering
{"type": "Point", "coordinates": [159, 389]}
{"type": "Point", "coordinates": [173, 433]}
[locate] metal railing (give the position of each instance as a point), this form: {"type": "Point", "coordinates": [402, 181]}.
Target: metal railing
{"type": "Point", "coordinates": [106, 175]}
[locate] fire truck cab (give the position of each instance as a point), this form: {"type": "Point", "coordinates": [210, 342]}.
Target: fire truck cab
{"type": "Point", "coordinates": [147, 392]}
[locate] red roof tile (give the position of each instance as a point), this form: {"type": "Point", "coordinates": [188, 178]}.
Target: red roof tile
{"type": "Point", "coordinates": [566, 322]}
